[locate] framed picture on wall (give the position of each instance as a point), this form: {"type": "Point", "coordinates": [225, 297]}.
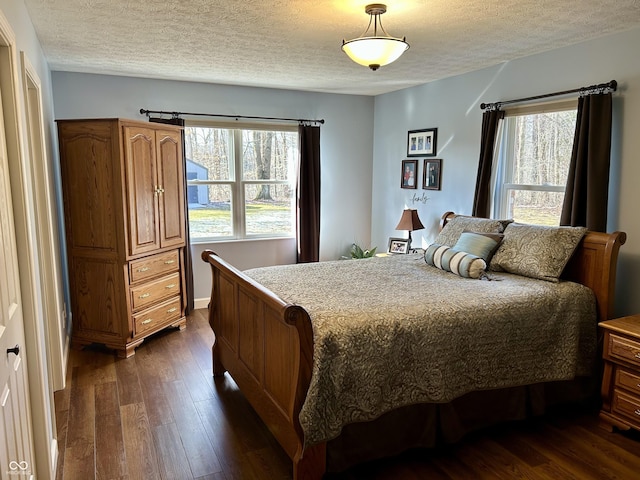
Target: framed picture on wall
{"type": "Point", "coordinates": [432, 174]}
{"type": "Point", "coordinates": [422, 143]}
{"type": "Point", "coordinates": [409, 178]}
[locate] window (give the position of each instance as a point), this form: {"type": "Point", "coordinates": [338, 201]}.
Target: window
{"type": "Point", "coordinates": [533, 162]}
{"type": "Point", "coordinates": [240, 181]}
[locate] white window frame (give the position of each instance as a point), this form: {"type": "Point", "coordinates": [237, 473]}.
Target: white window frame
{"type": "Point", "coordinates": [502, 174]}
{"type": "Point", "coordinates": [237, 184]}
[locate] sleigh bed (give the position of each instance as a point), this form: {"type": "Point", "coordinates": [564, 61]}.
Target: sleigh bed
{"type": "Point", "coordinates": [347, 361]}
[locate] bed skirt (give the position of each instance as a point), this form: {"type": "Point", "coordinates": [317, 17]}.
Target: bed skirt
{"type": "Point", "coordinates": [431, 425]}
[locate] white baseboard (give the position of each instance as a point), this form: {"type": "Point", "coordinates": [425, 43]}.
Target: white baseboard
{"type": "Point", "coordinates": [201, 303]}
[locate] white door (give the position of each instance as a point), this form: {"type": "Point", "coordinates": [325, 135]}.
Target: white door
{"type": "Point", "coordinates": [16, 459]}
{"type": "Point", "coordinates": [46, 231]}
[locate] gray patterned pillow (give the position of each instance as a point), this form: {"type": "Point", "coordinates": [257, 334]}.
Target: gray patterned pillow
{"type": "Point", "coordinates": [536, 251]}
{"type": "Point", "coordinates": [451, 232]}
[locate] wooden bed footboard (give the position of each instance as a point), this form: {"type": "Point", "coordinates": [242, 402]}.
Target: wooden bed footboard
{"type": "Point", "coordinates": [266, 346]}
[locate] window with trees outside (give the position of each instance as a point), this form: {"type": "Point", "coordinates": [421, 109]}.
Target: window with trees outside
{"type": "Point", "coordinates": [534, 154]}
{"type": "Point", "coordinates": [240, 181]}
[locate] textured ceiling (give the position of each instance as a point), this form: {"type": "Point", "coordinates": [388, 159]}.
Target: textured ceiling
{"type": "Point", "coordinates": [295, 44]}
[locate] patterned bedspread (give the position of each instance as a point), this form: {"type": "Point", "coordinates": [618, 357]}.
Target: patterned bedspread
{"type": "Point", "coordinates": [394, 331]}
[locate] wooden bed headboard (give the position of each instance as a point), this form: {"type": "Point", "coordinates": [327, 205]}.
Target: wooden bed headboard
{"type": "Point", "coordinates": [593, 264]}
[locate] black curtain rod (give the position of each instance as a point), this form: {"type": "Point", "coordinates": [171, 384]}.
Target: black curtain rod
{"type": "Point", "coordinates": [177, 115]}
{"type": "Point", "coordinates": [612, 85]}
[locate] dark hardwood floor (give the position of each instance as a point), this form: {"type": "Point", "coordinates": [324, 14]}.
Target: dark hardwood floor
{"type": "Point", "coordinates": [161, 415]}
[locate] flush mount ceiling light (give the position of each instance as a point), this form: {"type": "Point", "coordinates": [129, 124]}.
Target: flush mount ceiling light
{"type": "Point", "coordinates": [375, 50]}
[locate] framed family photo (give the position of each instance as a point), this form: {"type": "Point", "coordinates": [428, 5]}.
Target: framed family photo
{"type": "Point", "coordinates": [409, 178]}
{"type": "Point", "coordinates": [398, 245]}
{"type": "Point", "coordinates": [422, 143]}
{"type": "Point", "coordinates": [432, 174]}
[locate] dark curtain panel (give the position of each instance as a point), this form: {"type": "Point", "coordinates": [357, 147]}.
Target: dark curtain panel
{"type": "Point", "coordinates": [586, 195]}
{"type": "Point", "coordinates": [481, 200]}
{"type": "Point", "coordinates": [188, 267]}
{"type": "Point", "coordinates": [308, 211]}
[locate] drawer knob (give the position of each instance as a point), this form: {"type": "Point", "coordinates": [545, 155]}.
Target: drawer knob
{"type": "Point", "coordinates": [170, 286]}
{"type": "Point", "coordinates": [148, 320]}
{"type": "Point", "coordinates": [169, 262]}
{"type": "Point", "coordinates": [637, 355]}
{"type": "Point", "coordinates": [143, 269]}
{"type": "Point", "coordinates": [145, 295]}
{"type": "Point", "coordinates": [171, 310]}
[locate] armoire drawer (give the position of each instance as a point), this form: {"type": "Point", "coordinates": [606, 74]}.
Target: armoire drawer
{"type": "Point", "coordinates": [154, 265]}
{"type": "Point", "coordinates": [155, 291]}
{"type": "Point", "coordinates": [156, 317]}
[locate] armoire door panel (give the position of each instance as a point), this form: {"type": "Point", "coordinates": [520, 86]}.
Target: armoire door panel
{"type": "Point", "coordinates": [142, 190]}
{"type": "Point", "coordinates": [170, 179]}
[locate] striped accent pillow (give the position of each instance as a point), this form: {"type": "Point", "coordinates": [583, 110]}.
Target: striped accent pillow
{"type": "Point", "coordinates": [461, 263]}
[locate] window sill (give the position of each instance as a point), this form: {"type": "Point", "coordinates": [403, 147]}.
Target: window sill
{"type": "Point", "coordinates": [240, 240]}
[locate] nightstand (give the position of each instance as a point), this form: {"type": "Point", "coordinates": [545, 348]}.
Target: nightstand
{"type": "Point", "coordinates": [621, 376]}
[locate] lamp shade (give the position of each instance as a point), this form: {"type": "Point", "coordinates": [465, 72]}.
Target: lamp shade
{"type": "Point", "coordinates": [409, 221]}
{"type": "Point", "coordinates": [375, 52]}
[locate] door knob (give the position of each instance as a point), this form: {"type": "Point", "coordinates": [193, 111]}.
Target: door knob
{"type": "Point", "coordinates": [15, 350]}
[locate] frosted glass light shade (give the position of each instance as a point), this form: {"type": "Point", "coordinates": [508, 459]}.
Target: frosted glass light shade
{"type": "Point", "coordinates": [375, 52]}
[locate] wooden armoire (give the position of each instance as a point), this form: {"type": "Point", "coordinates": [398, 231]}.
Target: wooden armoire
{"type": "Point", "coordinates": [124, 212]}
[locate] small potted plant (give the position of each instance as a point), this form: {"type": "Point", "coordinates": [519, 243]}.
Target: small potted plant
{"type": "Point", "coordinates": [358, 252]}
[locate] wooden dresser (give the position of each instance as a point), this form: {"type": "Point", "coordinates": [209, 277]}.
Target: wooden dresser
{"type": "Point", "coordinates": [124, 216]}
{"type": "Point", "coordinates": [621, 378]}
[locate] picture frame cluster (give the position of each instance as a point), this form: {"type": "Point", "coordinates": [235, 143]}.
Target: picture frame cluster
{"type": "Point", "coordinates": [422, 143]}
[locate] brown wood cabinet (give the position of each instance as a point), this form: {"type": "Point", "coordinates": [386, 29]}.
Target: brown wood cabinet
{"type": "Point", "coordinates": [621, 378]}
{"type": "Point", "coordinates": [124, 210]}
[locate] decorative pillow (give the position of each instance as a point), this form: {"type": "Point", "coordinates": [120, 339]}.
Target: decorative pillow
{"type": "Point", "coordinates": [461, 263]}
{"type": "Point", "coordinates": [482, 245]}
{"type": "Point", "coordinates": [536, 251]}
{"type": "Point", "coordinates": [451, 232]}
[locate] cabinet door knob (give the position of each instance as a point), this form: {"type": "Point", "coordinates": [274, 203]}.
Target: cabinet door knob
{"type": "Point", "coordinates": [15, 350]}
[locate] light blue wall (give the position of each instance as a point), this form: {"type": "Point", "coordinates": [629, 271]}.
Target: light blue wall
{"type": "Point", "coordinates": [346, 149]}
{"type": "Point", "coordinates": [453, 106]}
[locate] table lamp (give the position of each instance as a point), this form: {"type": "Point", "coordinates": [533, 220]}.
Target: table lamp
{"type": "Point", "coordinates": [409, 221]}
